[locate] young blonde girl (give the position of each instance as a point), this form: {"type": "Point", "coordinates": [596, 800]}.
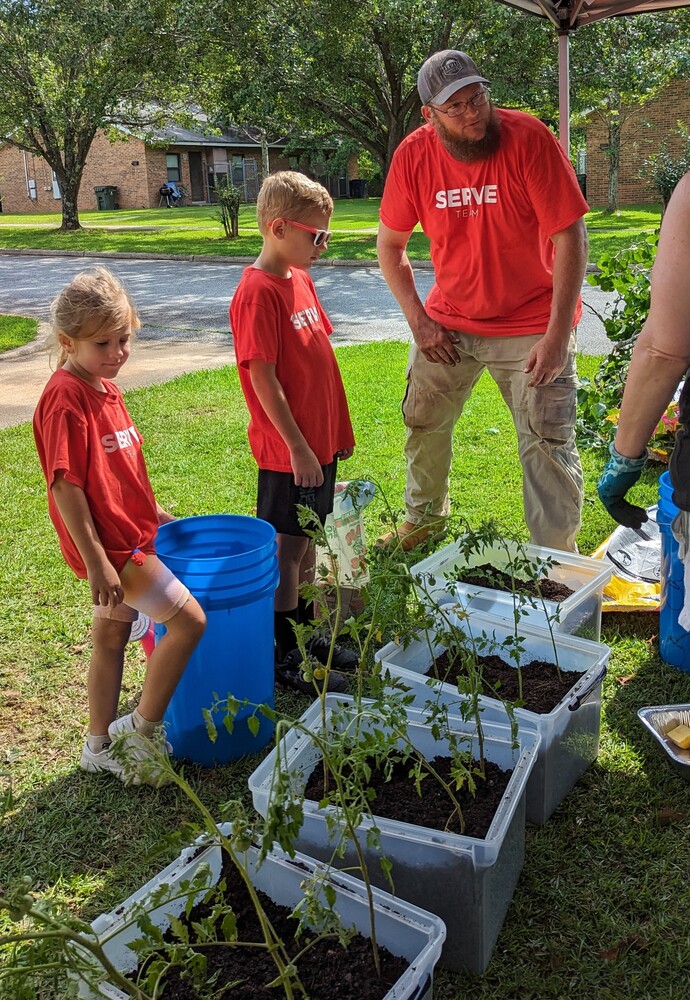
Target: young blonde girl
{"type": "Point", "coordinates": [106, 517]}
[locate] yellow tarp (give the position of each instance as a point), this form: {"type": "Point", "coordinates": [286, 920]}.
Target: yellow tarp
{"type": "Point", "coordinates": [621, 594]}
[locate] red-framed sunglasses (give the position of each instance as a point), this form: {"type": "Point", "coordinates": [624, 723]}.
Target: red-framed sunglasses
{"type": "Point", "coordinates": [321, 236]}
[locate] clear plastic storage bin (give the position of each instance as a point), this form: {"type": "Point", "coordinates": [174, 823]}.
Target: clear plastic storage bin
{"type": "Point", "coordinates": [579, 614]}
{"type": "Point", "coordinates": [569, 733]}
{"type": "Point", "coordinates": [403, 929]}
{"type": "Point", "coordinates": [469, 882]}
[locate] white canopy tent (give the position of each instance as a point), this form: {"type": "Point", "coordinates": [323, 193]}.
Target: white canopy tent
{"type": "Point", "coordinates": [568, 15]}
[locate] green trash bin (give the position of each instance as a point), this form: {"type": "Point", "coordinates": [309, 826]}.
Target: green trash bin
{"type": "Point", "coordinates": [105, 197]}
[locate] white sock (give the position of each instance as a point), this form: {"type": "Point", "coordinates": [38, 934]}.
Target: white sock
{"type": "Point", "coordinates": [143, 726]}
{"type": "Point", "coordinates": [98, 743]}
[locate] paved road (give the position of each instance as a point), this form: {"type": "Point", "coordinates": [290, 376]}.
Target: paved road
{"type": "Point", "coordinates": [189, 300]}
{"type": "Point", "coordinates": [184, 308]}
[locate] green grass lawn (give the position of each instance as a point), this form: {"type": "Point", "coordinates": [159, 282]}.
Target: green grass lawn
{"type": "Point", "coordinates": [602, 907]}
{"type": "Point", "coordinates": [608, 233]}
{"type": "Point", "coordinates": [194, 231]}
{"type": "Point", "coordinates": [15, 331]}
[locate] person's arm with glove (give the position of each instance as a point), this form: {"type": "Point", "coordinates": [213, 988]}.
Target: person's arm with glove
{"type": "Point", "coordinates": [660, 359]}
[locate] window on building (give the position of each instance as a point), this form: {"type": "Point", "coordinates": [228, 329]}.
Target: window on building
{"type": "Point", "coordinates": [238, 171]}
{"type": "Point", "coordinates": [172, 163]}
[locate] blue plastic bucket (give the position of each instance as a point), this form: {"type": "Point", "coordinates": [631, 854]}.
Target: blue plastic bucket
{"type": "Point", "coordinates": [674, 641]}
{"type": "Point", "coordinates": [230, 565]}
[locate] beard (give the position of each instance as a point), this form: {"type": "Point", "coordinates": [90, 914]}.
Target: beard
{"type": "Point", "coordinates": [471, 150]}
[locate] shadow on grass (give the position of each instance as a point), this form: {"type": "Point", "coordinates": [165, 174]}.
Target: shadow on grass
{"type": "Point", "coordinates": [590, 916]}
{"type": "Point", "coordinates": [88, 841]}
{"type": "Point", "coordinates": [652, 682]}
{"type": "Point", "coordinates": [601, 908]}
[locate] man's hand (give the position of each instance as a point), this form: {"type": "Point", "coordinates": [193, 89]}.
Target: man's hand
{"type": "Point", "coordinates": [436, 343]}
{"type": "Point", "coordinates": [546, 361]}
{"type": "Point", "coordinates": [618, 477]}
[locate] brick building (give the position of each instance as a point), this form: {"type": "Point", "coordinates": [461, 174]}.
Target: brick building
{"type": "Point", "coordinates": [138, 170]}
{"type": "Point", "coordinates": [643, 133]}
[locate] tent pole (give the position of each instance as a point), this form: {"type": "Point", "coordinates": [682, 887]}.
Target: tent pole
{"type": "Point", "coordinates": [564, 90]}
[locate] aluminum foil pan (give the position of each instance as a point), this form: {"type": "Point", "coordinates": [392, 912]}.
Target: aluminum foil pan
{"type": "Point", "coordinates": [659, 720]}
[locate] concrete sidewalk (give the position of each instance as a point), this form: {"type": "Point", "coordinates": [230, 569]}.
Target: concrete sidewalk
{"type": "Point", "coordinates": [25, 371]}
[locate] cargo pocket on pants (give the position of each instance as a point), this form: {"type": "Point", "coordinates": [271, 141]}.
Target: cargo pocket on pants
{"type": "Point", "coordinates": [555, 410]}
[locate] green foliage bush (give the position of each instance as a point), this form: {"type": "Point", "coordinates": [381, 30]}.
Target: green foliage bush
{"type": "Point", "coordinates": [664, 171]}
{"type": "Point", "coordinates": [229, 197]}
{"type": "Point", "coordinates": [627, 273]}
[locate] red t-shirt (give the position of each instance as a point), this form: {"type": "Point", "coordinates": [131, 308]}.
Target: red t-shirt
{"type": "Point", "coordinates": [489, 224]}
{"type": "Point", "coordinates": [281, 321]}
{"type": "Point", "coordinates": [91, 437]}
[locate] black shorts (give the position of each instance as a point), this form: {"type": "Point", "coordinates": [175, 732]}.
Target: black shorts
{"type": "Point", "coordinates": [277, 498]}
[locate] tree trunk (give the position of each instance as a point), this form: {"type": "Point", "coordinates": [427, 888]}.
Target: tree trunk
{"type": "Point", "coordinates": [70, 182]}
{"type": "Point", "coordinates": [70, 215]}
{"type": "Point", "coordinates": [614, 156]}
{"type": "Point", "coordinates": [265, 165]}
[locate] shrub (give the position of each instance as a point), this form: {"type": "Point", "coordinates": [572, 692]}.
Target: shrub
{"type": "Point", "coordinates": [627, 273]}
{"type": "Point", "coordinates": [664, 170]}
{"type": "Point", "coordinates": [229, 197]}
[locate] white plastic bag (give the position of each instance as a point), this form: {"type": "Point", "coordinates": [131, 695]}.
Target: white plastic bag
{"type": "Point", "coordinates": [344, 528]}
{"type": "Point", "coordinates": [636, 557]}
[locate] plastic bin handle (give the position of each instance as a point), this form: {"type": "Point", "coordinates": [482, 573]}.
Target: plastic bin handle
{"type": "Point", "coordinates": [597, 679]}
{"type": "Point", "coordinates": [422, 990]}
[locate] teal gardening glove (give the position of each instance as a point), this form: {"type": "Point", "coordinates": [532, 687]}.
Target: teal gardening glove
{"type": "Point", "coordinates": [618, 477]}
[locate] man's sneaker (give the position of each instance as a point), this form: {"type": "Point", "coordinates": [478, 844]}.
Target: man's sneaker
{"type": "Point", "coordinates": [138, 755]}
{"type": "Point", "coordinates": [289, 675]}
{"type": "Point", "coordinates": [101, 761]}
{"type": "Point", "coordinates": [410, 535]}
{"type": "Point", "coordinates": [343, 659]}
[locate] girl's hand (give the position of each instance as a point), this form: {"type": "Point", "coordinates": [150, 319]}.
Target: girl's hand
{"type": "Point", "coordinates": [163, 516]}
{"type": "Point", "coordinates": [344, 454]}
{"type": "Point", "coordinates": [106, 588]}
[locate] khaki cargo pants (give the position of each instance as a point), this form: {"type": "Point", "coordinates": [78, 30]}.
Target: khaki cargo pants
{"type": "Point", "coordinates": [544, 419]}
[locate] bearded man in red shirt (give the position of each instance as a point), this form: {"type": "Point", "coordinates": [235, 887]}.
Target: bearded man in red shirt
{"type": "Point", "coordinates": [500, 203]}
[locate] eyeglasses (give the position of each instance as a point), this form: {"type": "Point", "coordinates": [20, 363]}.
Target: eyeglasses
{"type": "Point", "coordinates": [461, 108]}
{"type": "Point", "coordinates": [321, 236]}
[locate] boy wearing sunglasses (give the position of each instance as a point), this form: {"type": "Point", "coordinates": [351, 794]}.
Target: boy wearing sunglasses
{"type": "Point", "coordinates": [299, 421]}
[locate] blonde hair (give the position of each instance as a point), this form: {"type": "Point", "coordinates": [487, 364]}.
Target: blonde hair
{"type": "Point", "coordinates": [93, 300]}
{"type": "Point", "coordinates": [289, 194]}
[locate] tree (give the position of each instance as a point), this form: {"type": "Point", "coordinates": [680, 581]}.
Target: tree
{"type": "Point", "coordinates": [229, 197]}
{"type": "Point", "coordinates": [349, 69]}
{"type": "Point", "coordinates": [618, 65]}
{"type": "Point", "coordinates": [68, 69]}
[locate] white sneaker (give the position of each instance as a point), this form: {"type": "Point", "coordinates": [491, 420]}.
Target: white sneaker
{"type": "Point", "coordinates": [139, 756]}
{"type": "Point", "coordinates": [101, 761]}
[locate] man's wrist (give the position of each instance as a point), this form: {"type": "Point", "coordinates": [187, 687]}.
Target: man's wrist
{"type": "Point", "coordinates": [626, 461]}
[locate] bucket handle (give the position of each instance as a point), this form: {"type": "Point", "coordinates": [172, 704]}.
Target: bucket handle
{"type": "Point", "coordinates": [585, 693]}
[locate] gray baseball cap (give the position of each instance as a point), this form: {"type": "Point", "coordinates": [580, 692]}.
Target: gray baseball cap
{"type": "Point", "coordinates": [444, 73]}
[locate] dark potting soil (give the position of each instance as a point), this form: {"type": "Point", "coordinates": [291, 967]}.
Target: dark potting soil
{"type": "Point", "coordinates": [496, 579]}
{"type": "Point", "coordinates": [542, 686]}
{"type": "Point", "coordinates": [327, 971]}
{"type": "Point", "coordinates": [396, 797]}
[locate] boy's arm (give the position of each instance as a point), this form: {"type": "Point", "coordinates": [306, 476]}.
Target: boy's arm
{"type": "Point", "coordinates": [305, 465]}
{"type": "Point", "coordinates": [73, 507]}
